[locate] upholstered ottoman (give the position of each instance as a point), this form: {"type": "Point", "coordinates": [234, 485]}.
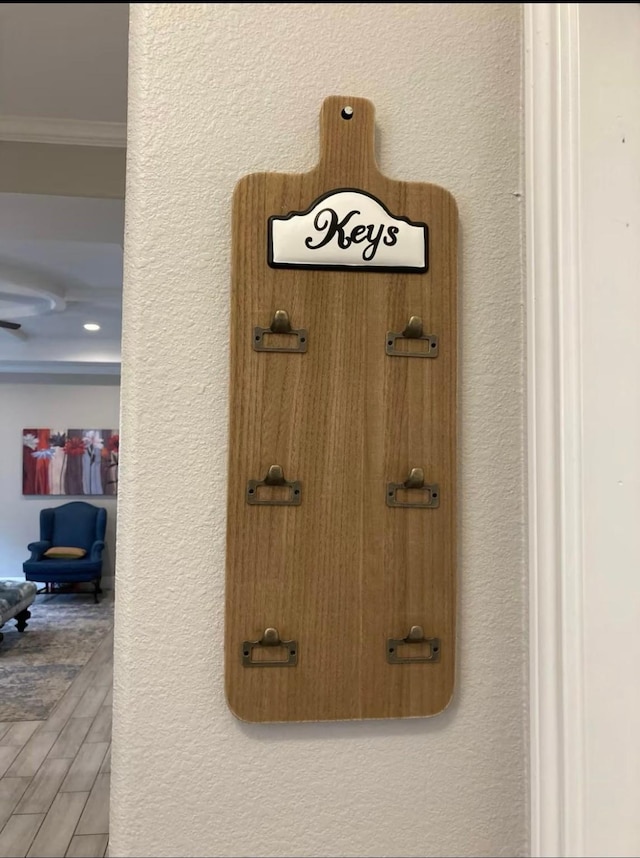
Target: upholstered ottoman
{"type": "Point", "coordinates": [15, 598]}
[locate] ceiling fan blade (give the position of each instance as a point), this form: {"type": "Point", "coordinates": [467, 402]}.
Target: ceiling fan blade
{"type": "Point", "coordinates": [12, 326]}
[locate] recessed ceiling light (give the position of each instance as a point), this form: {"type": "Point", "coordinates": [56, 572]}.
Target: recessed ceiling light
{"type": "Point", "coordinates": [91, 326]}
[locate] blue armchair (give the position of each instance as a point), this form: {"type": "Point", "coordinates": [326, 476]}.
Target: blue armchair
{"type": "Point", "coordinates": [76, 525]}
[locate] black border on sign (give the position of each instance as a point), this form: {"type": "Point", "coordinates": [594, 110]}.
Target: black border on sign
{"type": "Point", "coordinates": [389, 268]}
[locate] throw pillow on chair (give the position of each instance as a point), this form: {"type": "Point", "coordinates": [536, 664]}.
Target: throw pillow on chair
{"type": "Point", "coordinates": [62, 551]}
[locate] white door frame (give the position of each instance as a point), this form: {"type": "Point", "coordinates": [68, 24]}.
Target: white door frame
{"type": "Point", "coordinates": [582, 140]}
{"type": "Point", "coordinates": [552, 148]}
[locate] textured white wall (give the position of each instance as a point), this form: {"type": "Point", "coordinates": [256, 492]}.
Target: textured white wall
{"type": "Point", "coordinates": [24, 404]}
{"type": "Point", "coordinates": [218, 91]}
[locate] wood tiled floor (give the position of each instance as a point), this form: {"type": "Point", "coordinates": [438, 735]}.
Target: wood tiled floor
{"type": "Point", "coordinates": [54, 774]}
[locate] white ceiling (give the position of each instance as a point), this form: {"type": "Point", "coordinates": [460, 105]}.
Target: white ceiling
{"type": "Point", "coordinates": [61, 256]}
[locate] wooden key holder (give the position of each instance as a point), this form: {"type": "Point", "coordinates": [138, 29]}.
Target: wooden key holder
{"type": "Point", "coordinates": [341, 575]}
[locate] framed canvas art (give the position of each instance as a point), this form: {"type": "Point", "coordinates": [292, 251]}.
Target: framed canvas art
{"type": "Point", "coordinates": [70, 461]}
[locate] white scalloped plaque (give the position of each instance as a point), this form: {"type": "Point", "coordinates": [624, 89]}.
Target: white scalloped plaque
{"type": "Point", "coordinates": [347, 229]}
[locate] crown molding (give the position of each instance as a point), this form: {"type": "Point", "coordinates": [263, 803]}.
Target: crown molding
{"type": "Point", "coordinates": [70, 132]}
{"type": "Point", "coordinates": [45, 368]}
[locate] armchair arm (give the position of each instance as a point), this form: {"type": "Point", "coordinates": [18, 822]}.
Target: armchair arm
{"type": "Point", "coordinates": [37, 549]}
{"type": "Point", "coordinates": [96, 549]}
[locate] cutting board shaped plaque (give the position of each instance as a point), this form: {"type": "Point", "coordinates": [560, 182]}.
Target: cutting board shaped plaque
{"type": "Point", "coordinates": [341, 535]}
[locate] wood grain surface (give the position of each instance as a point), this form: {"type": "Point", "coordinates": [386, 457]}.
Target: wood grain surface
{"type": "Point", "coordinates": [342, 572]}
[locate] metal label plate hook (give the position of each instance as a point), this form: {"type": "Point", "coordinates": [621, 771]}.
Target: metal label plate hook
{"type": "Point", "coordinates": [270, 638]}
{"type": "Point", "coordinates": [274, 477]}
{"type": "Point", "coordinates": [415, 636]}
{"type": "Point", "coordinates": [427, 495]}
{"type": "Point", "coordinates": [413, 331]}
{"type": "Point", "coordinates": [280, 324]}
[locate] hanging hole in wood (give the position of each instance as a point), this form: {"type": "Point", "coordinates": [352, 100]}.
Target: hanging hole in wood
{"type": "Point", "coordinates": [412, 341]}
{"type": "Point", "coordinates": [347, 112]}
{"type": "Point", "coordinates": [280, 336]}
